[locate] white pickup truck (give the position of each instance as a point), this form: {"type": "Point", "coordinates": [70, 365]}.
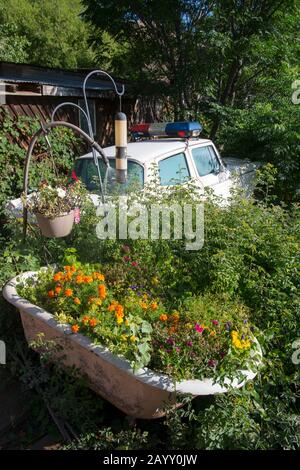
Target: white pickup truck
{"type": "Point", "coordinates": [176, 159]}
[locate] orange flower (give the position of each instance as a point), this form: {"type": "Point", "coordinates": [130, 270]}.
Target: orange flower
{"type": "Point", "coordinates": [68, 277]}
{"type": "Point", "coordinates": [87, 279]}
{"type": "Point", "coordinates": [85, 319]}
{"type": "Point", "coordinates": [153, 305]}
{"type": "Point", "coordinates": [143, 305]}
{"type": "Point", "coordinates": [112, 306]}
{"type": "Point", "coordinates": [163, 317]}
{"type": "Point", "coordinates": [57, 277]}
{"type": "Point", "coordinates": [51, 294]}
{"type": "Point", "coordinates": [67, 268]}
{"type": "Point", "coordinates": [119, 310]}
{"type": "Point", "coordinates": [68, 292]}
{"type": "Point", "coordinates": [73, 269]}
{"type": "Point", "coordinates": [77, 301]}
{"type": "Point", "coordinates": [175, 317]}
{"type": "Point", "coordinates": [79, 279]}
{"type": "Point", "coordinates": [102, 291]}
{"type": "Point", "coordinates": [75, 328]}
{"type": "Point", "coordinates": [58, 289]}
{"type": "Point", "coordinates": [98, 276]}
{"type": "Point", "coordinates": [93, 322]}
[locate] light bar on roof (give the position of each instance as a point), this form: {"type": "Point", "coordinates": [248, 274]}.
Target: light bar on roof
{"type": "Point", "coordinates": [167, 129]}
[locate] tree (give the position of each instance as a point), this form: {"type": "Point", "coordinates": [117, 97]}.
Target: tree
{"type": "Point", "coordinates": [51, 32]}
{"type": "Point", "coordinates": [12, 45]}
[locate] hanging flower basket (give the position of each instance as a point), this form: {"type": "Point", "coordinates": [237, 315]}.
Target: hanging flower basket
{"type": "Point", "coordinates": [58, 227]}
{"type": "Point", "coordinates": [141, 393]}
{"type": "Point", "coordinates": [56, 208]}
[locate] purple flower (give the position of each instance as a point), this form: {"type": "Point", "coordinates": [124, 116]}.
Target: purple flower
{"type": "Point", "coordinates": [245, 321]}
{"type": "Point", "coordinates": [212, 363]}
{"type": "Point", "coordinates": [189, 343]}
{"type": "Point", "coordinates": [199, 328]}
{"type": "Point", "coordinates": [228, 325]}
{"type": "Point", "coordinates": [222, 354]}
{"type": "Point", "coordinates": [133, 287]}
{"type": "Point", "coordinates": [170, 341]}
{"type": "Point", "coordinates": [215, 322]}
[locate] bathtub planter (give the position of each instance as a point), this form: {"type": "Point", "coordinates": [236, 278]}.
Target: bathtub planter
{"type": "Point", "coordinates": [142, 394]}
{"type": "Point", "coordinates": [58, 227]}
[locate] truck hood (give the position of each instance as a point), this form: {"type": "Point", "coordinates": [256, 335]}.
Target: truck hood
{"type": "Point", "coordinates": [240, 166]}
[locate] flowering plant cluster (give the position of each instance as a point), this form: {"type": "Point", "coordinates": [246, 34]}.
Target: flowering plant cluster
{"type": "Point", "coordinates": [200, 339]}
{"type": "Point", "coordinates": [56, 201]}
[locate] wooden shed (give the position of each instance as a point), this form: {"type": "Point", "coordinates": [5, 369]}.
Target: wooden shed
{"type": "Point", "coordinates": [35, 91]}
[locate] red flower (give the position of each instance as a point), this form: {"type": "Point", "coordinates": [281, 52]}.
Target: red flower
{"type": "Point", "coordinates": [134, 264]}
{"type": "Point", "coordinates": [74, 176]}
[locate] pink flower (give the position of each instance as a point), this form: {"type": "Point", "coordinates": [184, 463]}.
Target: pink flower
{"type": "Point", "coordinates": [126, 248]}
{"type": "Point", "coordinates": [76, 215]}
{"type": "Point", "coordinates": [126, 259]}
{"type": "Point", "coordinates": [199, 328]}
{"type": "Point", "coordinates": [189, 343]}
{"type": "Point", "coordinates": [215, 322]}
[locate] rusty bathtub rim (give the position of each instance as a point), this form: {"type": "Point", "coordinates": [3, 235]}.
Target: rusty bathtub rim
{"type": "Point", "coordinates": [194, 387]}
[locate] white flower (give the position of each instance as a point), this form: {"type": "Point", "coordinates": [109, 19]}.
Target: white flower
{"type": "Point", "coordinates": [61, 193]}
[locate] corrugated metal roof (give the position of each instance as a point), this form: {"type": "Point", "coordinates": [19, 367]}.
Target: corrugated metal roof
{"type": "Point", "coordinates": [24, 73]}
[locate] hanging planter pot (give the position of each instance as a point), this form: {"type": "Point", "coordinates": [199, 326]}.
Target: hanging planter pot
{"type": "Point", "coordinates": [57, 227]}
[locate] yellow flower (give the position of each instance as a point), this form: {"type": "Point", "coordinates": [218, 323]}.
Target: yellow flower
{"type": "Point", "coordinates": [132, 338]}
{"type": "Point", "coordinates": [124, 337]}
{"type": "Point", "coordinates": [119, 320]}
{"type": "Point", "coordinates": [126, 322]}
{"type": "Point", "coordinates": [189, 326]}
{"type": "Point", "coordinates": [154, 280]}
{"type": "Point", "coordinates": [77, 301]}
{"type": "Point", "coordinates": [212, 333]}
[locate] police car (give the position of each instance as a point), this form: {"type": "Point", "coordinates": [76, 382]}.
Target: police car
{"type": "Point", "coordinates": [175, 152]}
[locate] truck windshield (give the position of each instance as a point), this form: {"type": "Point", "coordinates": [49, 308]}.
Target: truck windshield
{"type": "Point", "coordinates": [85, 170]}
{"type": "Point", "coordinates": [206, 160]}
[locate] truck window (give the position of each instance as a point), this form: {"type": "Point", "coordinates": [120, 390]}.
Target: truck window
{"type": "Point", "coordinates": [206, 160]}
{"type": "Point", "coordinates": [87, 172]}
{"type": "Point", "coordinates": [173, 170]}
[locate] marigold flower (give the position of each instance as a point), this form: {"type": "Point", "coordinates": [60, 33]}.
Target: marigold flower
{"type": "Point", "coordinates": [85, 319]}
{"type": "Point", "coordinates": [58, 289]}
{"type": "Point", "coordinates": [68, 292]}
{"type": "Point", "coordinates": [79, 279]}
{"type": "Point", "coordinates": [87, 279]}
{"type": "Point", "coordinates": [67, 268]}
{"type": "Point", "coordinates": [119, 310]}
{"type": "Point", "coordinates": [75, 328]}
{"type": "Point", "coordinates": [77, 301]}
{"type": "Point", "coordinates": [132, 338]}
{"type": "Point", "coordinates": [212, 333]}
{"type": "Point", "coordinates": [98, 276]}
{"type": "Point", "coordinates": [102, 291]}
{"type": "Point", "coordinates": [175, 316]}
{"type": "Point", "coordinates": [124, 337]}
{"type": "Point", "coordinates": [93, 322]}
{"type": "Point", "coordinates": [51, 294]}
{"type": "Point", "coordinates": [119, 320]}
{"type": "Point", "coordinates": [163, 317]}
{"type": "Point", "coordinates": [97, 301]}
{"type": "Point", "coordinates": [144, 305]}
{"type": "Point", "coordinates": [57, 277]}
{"type": "Point", "coordinates": [153, 305]}
{"type": "Point", "coordinates": [73, 269]}
{"type": "Point", "coordinates": [111, 308]}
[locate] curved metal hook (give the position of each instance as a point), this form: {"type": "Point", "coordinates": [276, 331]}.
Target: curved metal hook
{"type": "Point", "coordinates": [69, 103]}
{"type": "Point", "coordinates": [93, 72]}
